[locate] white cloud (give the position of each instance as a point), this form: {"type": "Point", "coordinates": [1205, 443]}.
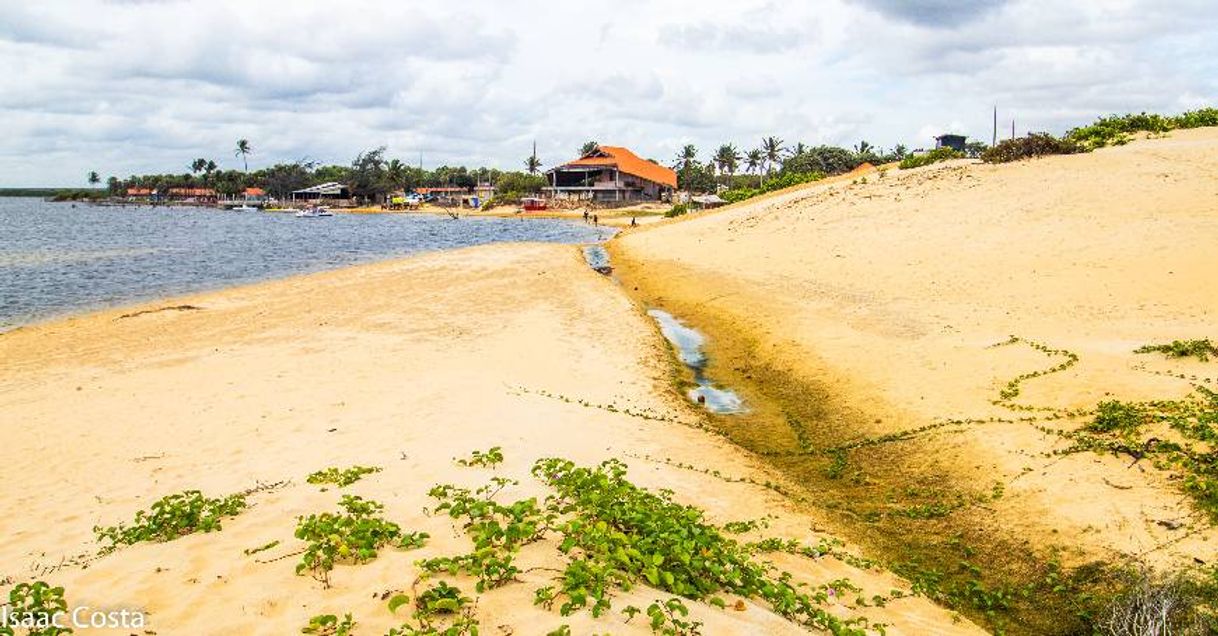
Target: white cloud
{"type": "Point", "coordinates": [138, 86]}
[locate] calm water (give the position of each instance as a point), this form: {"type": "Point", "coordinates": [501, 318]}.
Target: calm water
{"type": "Point", "coordinates": [57, 259]}
{"type": "Point", "coordinates": [689, 342]}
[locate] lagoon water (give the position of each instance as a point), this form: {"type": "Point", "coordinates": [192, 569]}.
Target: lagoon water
{"type": "Point", "coordinates": [58, 259]}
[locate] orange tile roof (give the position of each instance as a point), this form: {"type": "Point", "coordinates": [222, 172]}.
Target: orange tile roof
{"type": "Point", "coordinates": [139, 192]}
{"type": "Point", "coordinates": [254, 192]}
{"type": "Point", "coordinates": [192, 192]}
{"type": "Point", "coordinates": [630, 163]}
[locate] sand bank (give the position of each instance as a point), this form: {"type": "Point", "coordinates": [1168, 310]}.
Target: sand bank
{"type": "Point", "coordinates": [402, 365]}
{"type": "Point", "coordinates": [879, 298]}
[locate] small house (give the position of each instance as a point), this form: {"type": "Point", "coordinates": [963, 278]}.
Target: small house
{"type": "Point", "coordinates": [955, 142]}
{"type": "Point", "coordinates": [322, 191]}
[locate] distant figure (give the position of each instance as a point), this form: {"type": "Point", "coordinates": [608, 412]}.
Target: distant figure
{"type": "Point", "coordinates": [596, 220]}
{"type": "Point", "coordinates": [633, 222]}
{"type": "Point", "coordinates": [585, 216]}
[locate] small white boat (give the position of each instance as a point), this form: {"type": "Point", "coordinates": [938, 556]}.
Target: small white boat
{"type": "Point", "coordinates": [313, 212]}
{"type": "Point", "coordinates": [245, 207]}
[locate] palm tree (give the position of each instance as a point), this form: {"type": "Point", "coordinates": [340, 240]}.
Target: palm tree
{"type": "Point", "coordinates": [863, 148]}
{"type": "Point", "coordinates": [797, 150]}
{"type": "Point", "coordinates": [532, 163]}
{"type": "Point", "coordinates": [588, 148]}
{"type": "Point", "coordinates": [395, 172]}
{"type": "Point", "coordinates": [94, 179]}
{"type": "Point", "coordinates": [687, 157]}
{"type": "Point", "coordinates": [771, 148]}
{"type": "Point", "coordinates": [243, 150]}
{"type": "Point", "coordinates": [752, 161]}
{"type": "Point", "coordinates": [728, 159]}
{"type": "Point", "coordinates": [198, 165]}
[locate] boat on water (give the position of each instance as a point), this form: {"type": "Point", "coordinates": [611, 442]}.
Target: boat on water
{"type": "Point", "coordinates": [533, 204]}
{"type": "Point", "coordinates": [313, 212]}
{"type": "Point", "coordinates": [244, 207]}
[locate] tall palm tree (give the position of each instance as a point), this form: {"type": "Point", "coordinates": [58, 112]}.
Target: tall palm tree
{"type": "Point", "coordinates": [771, 148]}
{"type": "Point", "coordinates": [532, 163]}
{"type": "Point", "coordinates": [243, 150]}
{"type": "Point", "coordinates": [588, 148]}
{"type": "Point", "coordinates": [94, 179]}
{"type": "Point", "coordinates": [754, 160]}
{"type": "Point", "coordinates": [863, 148]}
{"type": "Point", "coordinates": [687, 157]}
{"type": "Point", "coordinates": [198, 165]}
{"type": "Point", "coordinates": [728, 159]}
{"type": "Point", "coordinates": [798, 149]}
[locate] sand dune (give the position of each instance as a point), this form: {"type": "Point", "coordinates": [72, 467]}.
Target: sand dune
{"type": "Point", "coordinates": [884, 293]}
{"type": "Point", "coordinates": [403, 365]}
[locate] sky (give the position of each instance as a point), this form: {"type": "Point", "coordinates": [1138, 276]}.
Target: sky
{"type": "Point", "coordinates": [136, 86]}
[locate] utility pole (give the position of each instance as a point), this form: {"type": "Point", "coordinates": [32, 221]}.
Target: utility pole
{"type": "Point", "coordinates": [1012, 129]}
{"type": "Point", "coordinates": [994, 140]}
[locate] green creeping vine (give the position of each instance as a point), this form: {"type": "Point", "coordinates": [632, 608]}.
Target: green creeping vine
{"type": "Point", "coordinates": [498, 532]}
{"type": "Point", "coordinates": [441, 610]}
{"type": "Point", "coordinates": [353, 536]}
{"type": "Point", "coordinates": [171, 517]}
{"type": "Point", "coordinates": [342, 478]}
{"type": "Point", "coordinates": [1200, 349]}
{"type": "Point", "coordinates": [1011, 390]}
{"type": "Point", "coordinates": [330, 625]}
{"type": "Point", "coordinates": [1192, 454]}
{"type": "Point", "coordinates": [490, 459]}
{"type": "Point", "coordinates": [618, 534]}
{"type": "Point", "coordinates": [668, 618]}
{"type": "Point", "coordinates": [36, 603]}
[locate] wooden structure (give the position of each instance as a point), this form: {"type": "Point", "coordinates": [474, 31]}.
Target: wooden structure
{"type": "Point", "coordinates": [611, 174]}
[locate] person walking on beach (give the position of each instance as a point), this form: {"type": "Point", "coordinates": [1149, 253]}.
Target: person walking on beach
{"type": "Point", "coordinates": [633, 222]}
{"type": "Point", "coordinates": [596, 220]}
{"type": "Point", "coordinates": [585, 216]}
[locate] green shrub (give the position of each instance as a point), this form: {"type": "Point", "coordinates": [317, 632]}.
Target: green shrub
{"type": "Point", "coordinates": [341, 478]}
{"type": "Point", "coordinates": [490, 459]}
{"type": "Point", "coordinates": [1116, 130]}
{"type": "Point", "coordinates": [330, 625]}
{"type": "Point", "coordinates": [1200, 349]}
{"type": "Point", "coordinates": [677, 210]}
{"type": "Point", "coordinates": [1033, 145]}
{"type": "Point", "coordinates": [353, 536]}
{"type": "Point", "coordinates": [934, 156]}
{"type": "Point", "coordinates": [172, 517]}
{"type": "Point", "coordinates": [784, 180]}
{"type": "Point", "coordinates": [37, 603]}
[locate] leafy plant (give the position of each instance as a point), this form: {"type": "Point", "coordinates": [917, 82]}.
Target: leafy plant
{"type": "Point", "coordinates": [498, 532]}
{"type": "Point", "coordinates": [353, 536]}
{"type": "Point", "coordinates": [490, 459]}
{"type": "Point", "coordinates": [440, 610]}
{"type": "Point", "coordinates": [36, 605]}
{"type": "Point", "coordinates": [784, 180]}
{"type": "Point", "coordinates": [342, 477]}
{"type": "Point", "coordinates": [669, 618]}
{"type": "Point", "coordinates": [1201, 349]}
{"type": "Point", "coordinates": [679, 209]}
{"type": "Point", "coordinates": [617, 534]}
{"type": "Point", "coordinates": [171, 517]}
{"type": "Point", "coordinates": [1033, 145]}
{"type": "Point", "coordinates": [934, 156]}
{"type": "Point", "coordinates": [330, 625]}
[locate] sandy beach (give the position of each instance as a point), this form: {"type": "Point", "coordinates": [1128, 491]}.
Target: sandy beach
{"type": "Point", "coordinates": [880, 298]}
{"type": "Point", "coordinates": [403, 365]}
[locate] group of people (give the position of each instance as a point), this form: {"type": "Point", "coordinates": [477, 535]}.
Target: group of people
{"type": "Point", "coordinates": [596, 220]}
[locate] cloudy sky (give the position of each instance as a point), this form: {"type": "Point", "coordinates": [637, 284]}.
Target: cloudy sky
{"type": "Point", "coordinates": [133, 86]}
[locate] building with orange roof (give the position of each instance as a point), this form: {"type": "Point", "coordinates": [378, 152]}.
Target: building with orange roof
{"type": "Point", "coordinates": [611, 174]}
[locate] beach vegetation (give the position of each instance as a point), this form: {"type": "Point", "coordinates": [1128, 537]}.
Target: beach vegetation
{"type": "Point", "coordinates": [784, 180]}
{"type": "Point", "coordinates": [1117, 130]}
{"type": "Point", "coordinates": [353, 535]}
{"type": "Point", "coordinates": [243, 150]}
{"type": "Point", "coordinates": [927, 158]}
{"type": "Point", "coordinates": [514, 186]}
{"type": "Point", "coordinates": [1032, 145]}
{"type": "Point", "coordinates": [440, 610]}
{"type": "Point", "coordinates": [330, 625]}
{"type": "Point", "coordinates": [679, 209]}
{"type": "Point", "coordinates": [1201, 349]}
{"type": "Point", "coordinates": [341, 477]}
{"type": "Point", "coordinates": [172, 517]}
{"type": "Point", "coordinates": [37, 604]}
{"type": "Point", "coordinates": [490, 458]}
